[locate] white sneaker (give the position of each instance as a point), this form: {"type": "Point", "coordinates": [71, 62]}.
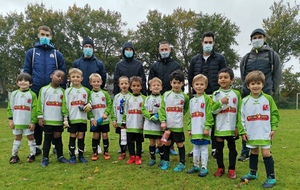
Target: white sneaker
{"type": "Point", "coordinates": [99, 150]}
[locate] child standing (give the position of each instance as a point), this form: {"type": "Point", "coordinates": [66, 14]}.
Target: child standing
{"type": "Point", "coordinates": [200, 123]}
{"type": "Point", "coordinates": [75, 108]}
{"type": "Point", "coordinates": [133, 121]}
{"type": "Point", "coordinates": [21, 111]}
{"type": "Point", "coordinates": [50, 117]}
{"type": "Point", "coordinates": [260, 117]}
{"type": "Point", "coordinates": [152, 128]}
{"type": "Point", "coordinates": [226, 106]}
{"type": "Point", "coordinates": [101, 108]}
{"type": "Point", "coordinates": [118, 110]}
{"type": "Point", "coordinates": [174, 105]}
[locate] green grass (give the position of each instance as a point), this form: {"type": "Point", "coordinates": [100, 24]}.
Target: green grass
{"type": "Point", "coordinates": [114, 174]}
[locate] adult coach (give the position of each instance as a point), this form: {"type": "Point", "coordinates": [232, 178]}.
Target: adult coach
{"type": "Point", "coordinates": [40, 62]}
{"type": "Point", "coordinates": [208, 63]}
{"type": "Point", "coordinates": [262, 58]}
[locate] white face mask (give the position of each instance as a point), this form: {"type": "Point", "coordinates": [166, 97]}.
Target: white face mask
{"type": "Point", "coordinates": [257, 43]}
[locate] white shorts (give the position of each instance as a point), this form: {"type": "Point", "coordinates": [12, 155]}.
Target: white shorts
{"type": "Point", "coordinates": [22, 131]}
{"type": "Point", "coordinates": [256, 146]}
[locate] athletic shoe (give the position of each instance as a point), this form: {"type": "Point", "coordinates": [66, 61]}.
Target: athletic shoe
{"type": "Point", "coordinates": [151, 162]}
{"type": "Point", "coordinates": [249, 176]}
{"type": "Point", "coordinates": [160, 163]}
{"type": "Point", "coordinates": [99, 150]}
{"type": "Point", "coordinates": [219, 172]}
{"type": "Point", "coordinates": [173, 151]}
{"type": "Point", "coordinates": [243, 158]}
{"type": "Point", "coordinates": [73, 160]}
{"type": "Point", "coordinates": [131, 160]}
{"type": "Point", "coordinates": [63, 160]}
{"type": "Point", "coordinates": [190, 154]}
{"type": "Point", "coordinates": [45, 162]}
{"type": "Point", "coordinates": [122, 156]}
{"type": "Point", "coordinates": [82, 159]}
{"type": "Point", "coordinates": [269, 183]}
{"type": "Point", "coordinates": [54, 150]}
{"type": "Point", "coordinates": [14, 159]}
{"type": "Point", "coordinates": [214, 153]}
{"type": "Point", "coordinates": [203, 172]}
{"type": "Point", "coordinates": [165, 165]}
{"type": "Point", "coordinates": [30, 158]}
{"type": "Point", "coordinates": [106, 156]}
{"type": "Point", "coordinates": [38, 151]}
{"type": "Point", "coordinates": [194, 169]}
{"type": "Point", "coordinates": [179, 168]}
{"type": "Point", "coordinates": [231, 174]}
{"type": "Point", "coordinates": [95, 157]}
{"type": "Point", "coordinates": [138, 160]}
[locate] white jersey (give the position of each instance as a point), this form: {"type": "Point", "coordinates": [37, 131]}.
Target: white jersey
{"type": "Point", "coordinates": [116, 106]}
{"type": "Point", "coordinates": [101, 103]}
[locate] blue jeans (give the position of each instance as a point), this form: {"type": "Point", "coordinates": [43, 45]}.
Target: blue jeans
{"type": "Point", "coordinates": [245, 150]}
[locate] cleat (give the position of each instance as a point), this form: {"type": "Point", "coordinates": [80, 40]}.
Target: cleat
{"type": "Point", "coordinates": [231, 174]}
{"type": "Point", "coordinates": [160, 163]}
{"type": "Point", "coordinates": [214, 153]}
{"type": "Point", "coordinates": [45, 162]}
{"type": "Point", "coordinates": [243, 158]}
{"type": "Point", "coordinates": [249, 176]}
{"type": "Point", "coordinates": [14, 159]}
{"type": "Point", "coordinates": [165, 165]}
{"type": "Point", "coordinates": [269, 183]}
{"type": "Point", "coordinates": [179, 168]}
{"type": "Point", "coordinates": [138, 160]}
{"type": "Point", "coordinates": [203, 172]}
{"type": "Point", "coordinates": [63, 160]}
{"type": "Point", "coordinates": [219, 172]}
{"type": "Point", "coordinates": [73, 160]}
{"type": "Point", "coordinates": [131, 160]}
{"type": "Point", "coordinates": [194, 169]}
{"type": "Point", "coordinates": [30, 158]}
{"type": "Point", "coordinates": [106, 156]}
{"type": "Point", "coordinates": [95, 157]}
{"type": "Point", "coordinates": [151, 162]}
{"type": "Point", "coordinates": [122, 156]}
{"type": "Point", "coordinates": [82, 159]}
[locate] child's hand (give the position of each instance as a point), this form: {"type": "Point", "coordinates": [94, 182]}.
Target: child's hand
{"type": "Point", "coordinates": [115, 125]}
{"type": "Point", "coordinates": [189, 133]}
{"type": "Point", "coordinates": [163, 125]}
{"type": "Point", "coordinates": [11, 124]}
{"type": "Point", "coordinates": [104, 116]}
{"type": "Point", "coordinates": [244, 137]}
{"type": "Point", "coordinates": [41, 122]}
{"type": "Point", "coordinates": [224, 100]}
{"type": "Point", "coordinates": [272, 134]}
{"type": "Point", "coordinates": [94, 122]}
{"type": "Point", "coordinates": [206, 132]}
{"type": "Point", "coordinates": [31, 127]}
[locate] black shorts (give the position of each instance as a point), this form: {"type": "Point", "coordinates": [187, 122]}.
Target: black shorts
{"type": "Point", "coordinates": [153, 136]}
{"type": "Point", "coordinates": [177, 137]}
{"type": "Point", "coordinates": [77, 127]}
{"type": "Point", "coordinates": [101, 129]}
{"type": "Point", "coordinates": [229, 138]}
{"type": "Point", "coordinates": [138, 137]}
{"type": "Point", "coordinates": [50, 129]}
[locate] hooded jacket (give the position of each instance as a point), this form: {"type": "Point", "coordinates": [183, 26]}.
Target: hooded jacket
{"type": "Point", "coordinates": [129, 67]}
{"type": "Point", "coordinates": [210, 68]}
{"type": "Point", "coordinates": [162, 69]}
{"type": "Point", "coordinates": [270, 66]}
{"type": "Point", "coordinates": [43, 65]}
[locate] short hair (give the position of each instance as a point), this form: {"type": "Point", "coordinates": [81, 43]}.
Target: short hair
{"type": "Point", "coordinates": [208, 34]}
{"type": "Point", "coordinates": [155, 79]}
{"type": "Point", "coordinates": [46, 28]}
{"type": "Point", "coordinates": [57, 70]}
{"type": "Point", "coordinates": [95, 75]}
{"type": "Point", "coordinates": [227, 70]}
{"type": "Point", "coordinates": [24, 76]}
{"type": "Point", "coordinates": [123, 77]}
{"type": "Point", "coordinates": [135, 79]}
{"type": "Point", "coordinates": [200, 77]}
{"type": "Point", "coordinates": [75, 70]}
{"type": "Point", "coordinates": [256, 76]}
{"type": "Point", "coordinates": [164, 42]}
{"type": "Point", "coordinates": [177, 75]}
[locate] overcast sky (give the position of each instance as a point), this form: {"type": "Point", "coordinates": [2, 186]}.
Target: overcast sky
{"type": "Point", "coordinates": [247, 14]}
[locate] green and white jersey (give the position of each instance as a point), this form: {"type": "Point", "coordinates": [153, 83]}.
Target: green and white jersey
{"type": "Point", "coordinates": [259, 116]}
{"type": "Point", "coordinates": [73, 98]}
{"type": "Point", "coordinates": [227, 115]}
{"type": "Point", "coordinates": [49, 106]}
{"type": "Point", "coordinates": [101, 104]}
{"type": "Point", "coordinates": [116, 115]}
{"type": "Point", "coordinates": [173, 108]}
{"type": "Point", "coordinates": [133, 113]}
{"type": "Point", "coordinates": [150, 107]}
{"type": "Point", "coordinates": [200, 116]}
{"type": "Point", "coordinates": [22, 108]}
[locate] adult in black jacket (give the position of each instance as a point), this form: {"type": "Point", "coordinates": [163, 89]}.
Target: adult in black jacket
{"type": "Point", "coordinates": [129, 67]}
{"type": "Point", "coordinates": [208, 63]}
{"type": "Point", "coordinates": [163, 67]}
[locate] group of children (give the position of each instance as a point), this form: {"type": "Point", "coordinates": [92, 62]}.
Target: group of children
{"type": "Point", "coordinates": [254, 117]}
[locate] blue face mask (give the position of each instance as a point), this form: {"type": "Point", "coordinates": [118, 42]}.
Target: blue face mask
{"type": "Point", "coordinates": [44, 40]}
{"type": "Point", "coordinates": [207, 48]}
{"type": "Point", "coordinates": [128, 54]}
{"type": "Point", "coordinates": [88, 52]}
{"type": "Point", "coordinates": [164, 54]}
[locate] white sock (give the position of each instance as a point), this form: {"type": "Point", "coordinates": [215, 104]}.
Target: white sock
{"type": "Point", "coordinates": [204, 155]}
{"type": "Point", "coordinates": [16, 147]}
{"type": "Point", "coordinates": [32, 147]}
{"type": "Point", "coordinates": [196, 155]}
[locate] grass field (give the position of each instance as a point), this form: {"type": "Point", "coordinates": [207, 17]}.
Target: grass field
{"type": "Point", "coordinates": [114, 174]}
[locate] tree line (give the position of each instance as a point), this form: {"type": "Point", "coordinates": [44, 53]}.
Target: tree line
{"type": "Point", "coordinates": [182, 28]}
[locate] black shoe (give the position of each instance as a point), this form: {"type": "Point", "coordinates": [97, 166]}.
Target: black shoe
{"type": "Point", "coordinates": [14, 159]}
{"type": "Point", "coordinates": [38, 151]}
{"type": "Point", "coordinates": [214, 153]}
{"type": "Point", "coordinates": [190, 154]}
{"type": "Point", "coordinates": [243, 158]}
{"type": "Point", "coordinates": [63, 160]}
{"type": "Point", "coordinates": [30, 158]}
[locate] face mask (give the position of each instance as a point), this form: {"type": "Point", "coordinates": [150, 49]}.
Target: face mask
{"type": "Point", "coordinates": [164, 54]}
{"type": "Point", "coordinates": [44, 40]}
{"type": "Point", "coordinates": [207, 48]}
{"type": "Point", "coordinates": [88, 52]}
{"type": "Point", "coordinates": [128, 54]}
{"type": "Point", "coordinates": [257, 43]}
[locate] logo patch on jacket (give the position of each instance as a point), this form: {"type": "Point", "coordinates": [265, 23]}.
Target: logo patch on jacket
{"type": "Point", "coordinates": [266, 107]}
